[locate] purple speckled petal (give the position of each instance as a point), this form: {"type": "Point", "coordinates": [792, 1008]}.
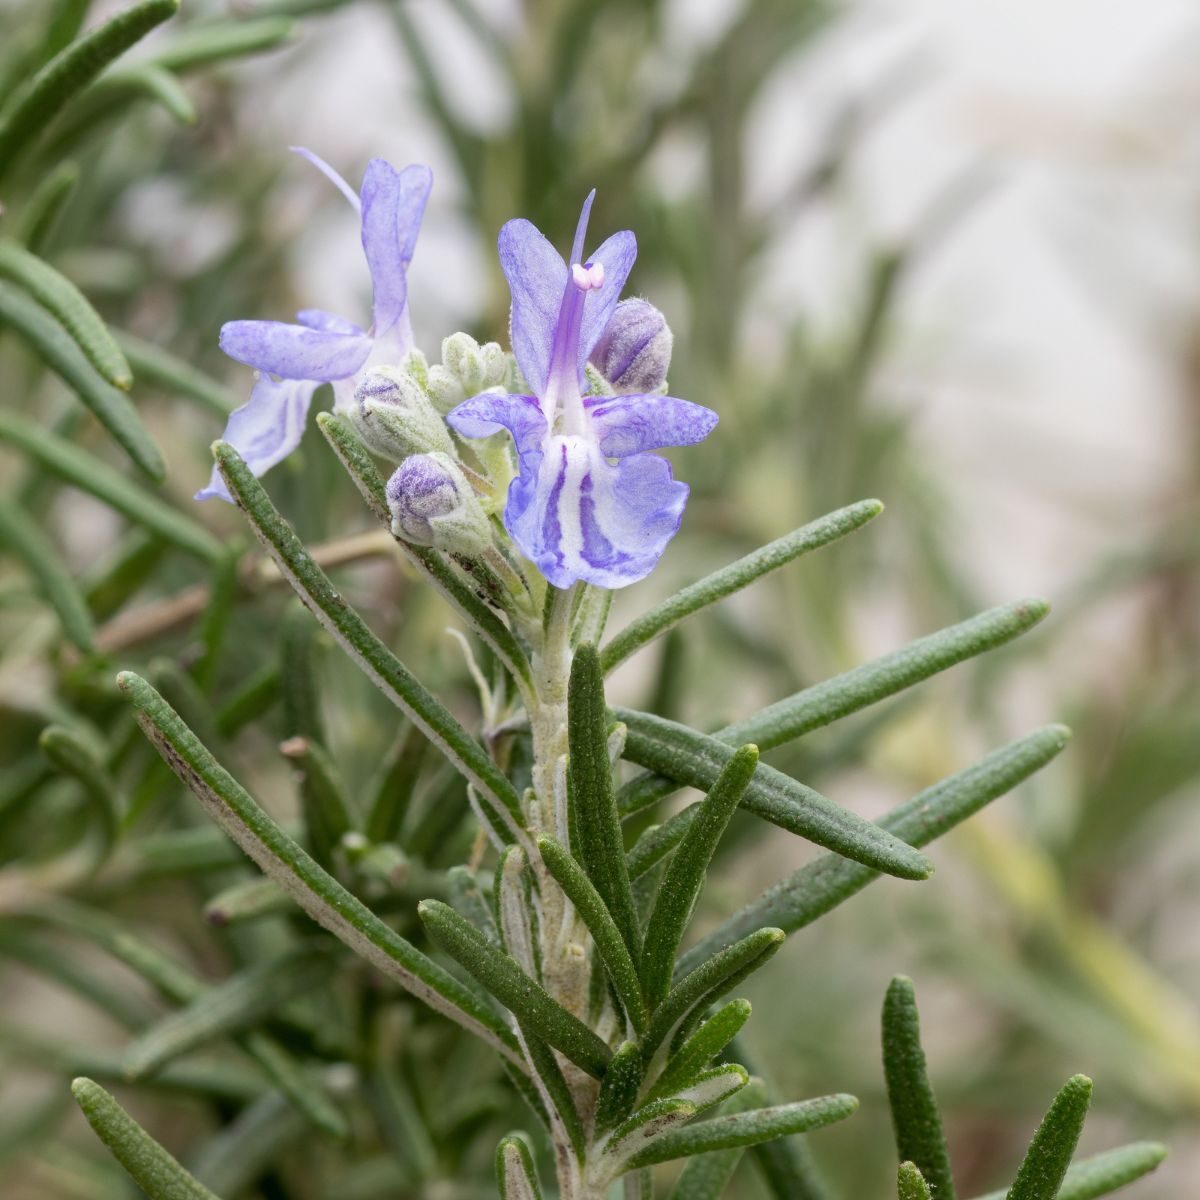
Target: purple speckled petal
{"type": "Point", "coordinates": [266, 429]}
{"type": "Point", "coordinates": [392, 205]}
{"type": "Point", "coordinates": [318, 318]}
{"type": "Point", "coordinates": [536, 276]}
{"type": "Point", "coordinates": [581, 518]}
{"type": "Point", "coordinates": [617, 255]}
{"type": "Point", "coordinates": [633, 424]}
{"type": "Point", "coordinates": [489, 412]}
{"type": "Point", "coordinates": [295, 351]}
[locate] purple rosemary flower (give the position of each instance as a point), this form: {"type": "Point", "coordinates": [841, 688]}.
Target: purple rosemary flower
{"type": "Point", "coordinates": [294, 360]}
{"type": "Point", "coordinates": [588, 503]}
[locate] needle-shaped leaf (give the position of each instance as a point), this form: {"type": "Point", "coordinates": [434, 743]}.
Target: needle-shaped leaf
{"type": "Point", "coordinates": [360, 466]}
{"type": "Point", "coordinates": [910, 1184]}
{"type": "Point", "coordinates": [391, 791]}
{"type": "Point", "coordinates": [236, 1004]}
{"type": "Point", "coordinates": [701, 1048]}
{"type": "Point", "coordinates": [201, 45]}
{"type": "Point", "coordinates": [153, 365]}
{"type": "Point", "coordinates": [327, 813]}
{"type": "Point", "coordinates": [862, 686]}
{"type": "Point", "coordinates": [42, 96]}
{"type": "Point", "coordinates": [86, 472]}
{"type": "Point", "coordinates": [822, 885]}
{"type": "Point", "coordinates": [350, 631]}
{"type": "Point", "coordinates": [659, 840]}
{"type": "Point", "coordinates": [1104, 1173]}
{"type": "Point", "coordinates": [73, 755]}
{"type": "Point", "coordinates": [594, 814]}
{"type": "Point", "coordinates": [556, 1093]}
{"type": "Point", "coordinates": [915, 1117]}
{"type": "Point", "coordinates": [313, 889]}
{"type": "Point", "coordinates": [619, 1090]}
{"type": "Point", "coordinates": [610, 945]}
{"type": "Point", "coordinates": [248, 901]}
{"type": "Point", "coordinates": [697, 759]}
{"type": "Point", "coordinates": [60, 352]}
{"type": "Point", "coordinates": [1049, 1155]}
{"type": "Point", "coordinates": [680, 887]}
{"type": "Point", "coordinates": [159, 1175]}
{"type": "Point", "coordinates": [40, 213]}
{"type": "Point", "coordinates": [524, 997]}
{"type": "Point", "coordinates": [705, 1176]}
{"type": "Point", "coordinates": [516, 1176]}
{"type": "Point", "coordinates": [745, 1129]}
{"type": "Point", "coordinates": [68, 305]}
{"type": "Point", "coordinates": [29, 544]}
{"type": "Point", "coordinates": [736, 576]}
{"type": "Point", "coordinates": [703, 986]}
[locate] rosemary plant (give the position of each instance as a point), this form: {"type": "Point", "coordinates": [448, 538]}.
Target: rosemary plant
{"type": "Point", "coordinates": [492, 928]}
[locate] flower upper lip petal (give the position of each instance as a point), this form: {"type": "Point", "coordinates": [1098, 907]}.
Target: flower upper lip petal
{"type": "Point", "coordinates": [393, 203]}
{"type": "Point", "coordinates": [295, 351]}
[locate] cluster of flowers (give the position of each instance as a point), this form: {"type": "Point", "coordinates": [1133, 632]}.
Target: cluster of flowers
{"type": "Point", "coordinates": [582, 397]}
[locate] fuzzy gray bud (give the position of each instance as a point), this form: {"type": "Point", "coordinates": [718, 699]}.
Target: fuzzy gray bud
{"type": "Point", "coordinates": [433, 504]}
{"type": "Point", "coordinates": [634, 351]}
{"type": "Point", "coordinates": [395, 417]}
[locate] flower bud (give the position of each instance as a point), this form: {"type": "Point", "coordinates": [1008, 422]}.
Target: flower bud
{"type": "Point", "coordinates": [467, 368]}
{"type": "Point", "coordinates": [634, 351]}
{"type": "Point", "coordinates": [432, 504]}
{"type": "Point", "coordinates": [395, 416]}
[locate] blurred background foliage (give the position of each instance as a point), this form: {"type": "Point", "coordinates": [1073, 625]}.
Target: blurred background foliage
{"type": "Point", "coordinates": [741, 141]}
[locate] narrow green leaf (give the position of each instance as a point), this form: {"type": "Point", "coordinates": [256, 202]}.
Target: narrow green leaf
{"type": "Point", "coordinates": [701, 1048]}
{"type": "Point", "coordinates": [659, 840]}
{"type": "Point", "coordinates": [34, 104]}
{"type": "Point", "coordinates": [202, 45]}
{"type": "Point", "coordinates": [313, 889]}
{"type": "Point", "coordinates": [68, 305]}
{"type": "Point", "coordinates": [862, 686]}
{"type": "Point", "coordinates": [27, 541]}
{"type": "Point", "coordinates": [254, 699]}
{"type": "Point", "coordinates": [610, 945]}
{"type": "Point", "coordinates": [1049, 1155]}
{"type": "Point", "coordinates": [697, 759]}
{"type": "Point", "coordinates": [110, 406]}
{"type": "Point", "coordinates": [41, 211]}
{"type": "Point", "coordinates": [709, 981]}
{"type": "Point", "coordinates": [67, 751]}
{"type": "Point", "coordinates": [215, 620]}
{"type": "Point", "coordinates": [298, 674]}
{"type": "Point", "coordinates": [910, 1184]}
{"type": "Point", "coordinates": [619, 1090]}
{"type": "Point", "coordinates": [206, 1078]}
{"type": "Point", "coordinates": [392, 789]}
{"type": "Point", "coordinates": [1104, 1173]}
{"type": "Point", "coordinates": [236, 1004]}
{"type": "Point", "coordinates": [328, 816]}
{"type": "Point", "coordinates": [745, 1129]}
{"type": "Point", "coordinates": [351, 632]}
{"type": "Point", "coordinates": [248, 901]}
{"type": "Point", "coordinates": [594, 813]}
{"type": "Point", "coordinates": [158, 1174]}
{"type": "Point", "coordinates": [86, 472]}
{"type": "Point", "coordinates": [640, 1130]}
{"type": "Point", "coordinates": [736, 576]}
{"type": "Point", "coordinates": [153, 365]}
{"type": "Point", "coordinates": [144, 79]}
{"type": "Point", "coordinates": [822, 885]}
{"type": "Point", "coordinates": [705, 1176]}
{"type": "Point", "coordinates": [556, 1093]}
{"type": "Point", "coordinates": [521, 995]}
{"type": "Point", "coordinates": [915, 1117]}
{"type": "Point", "coordinates": [685, 876]}
{"type": "Point", "coordinates": [243, 1150]}
{"type": "Point", "coordinates": [516, 1176]}
{"type": "Point", "coordinates": [360, 466]}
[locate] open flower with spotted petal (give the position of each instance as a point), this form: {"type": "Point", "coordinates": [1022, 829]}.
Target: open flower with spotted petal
{"type": "Point", "coordinates": [588, 502]}
{"type": "Point", "coordinates": [294, 360]}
